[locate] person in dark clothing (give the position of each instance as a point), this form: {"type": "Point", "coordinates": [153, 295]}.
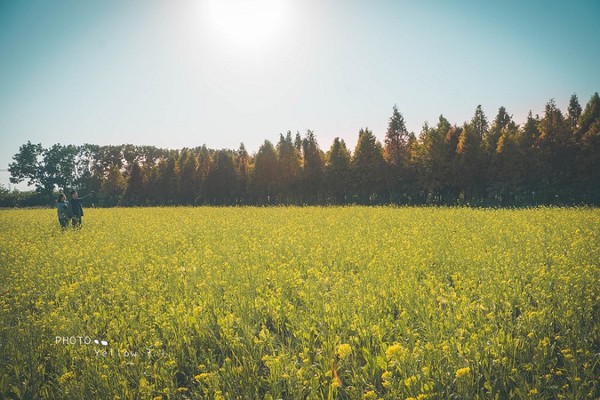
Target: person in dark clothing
{"type": "Point", "coordinates": [76, 207]}
{"type": "Point", "coordinates": [64, 211]}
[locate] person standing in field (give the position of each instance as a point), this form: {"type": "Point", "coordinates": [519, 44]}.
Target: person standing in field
{"type": "Point", "coordinates": [76, 207]}
{"type": "Point", "coordinates": [64, 211]}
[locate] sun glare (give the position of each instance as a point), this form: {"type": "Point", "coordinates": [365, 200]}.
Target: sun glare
{"type": "Point", "coordinates": [246, 23]}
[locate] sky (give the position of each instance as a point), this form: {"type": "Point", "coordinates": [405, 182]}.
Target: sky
{"type": "Point", "coordinates": [184, 73]}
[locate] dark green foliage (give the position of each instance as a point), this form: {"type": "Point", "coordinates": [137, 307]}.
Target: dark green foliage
{"type": "Point", "coordinates": [368, 168]}
{"type": "Point", "coordinates": [337, 173]}
{"type": "Point", "coordinates": [288, 165]}
{"type": "Point", "coordinates": [550, 159]}
{"type": "Point", "coordinates": [221, 179]}
{"type": "Point", "coordinates": [112, 187]}
{"type": "Point", "coordinates": [397, 155]}
{"type": "Point", "coordinates": [266, 174]}
{"type": "Point", "coordinates": [312, 170]}
{"type": "Point", "coordinates": [134, 192]}
{"type": "Point", "coordinates": [45, 168]}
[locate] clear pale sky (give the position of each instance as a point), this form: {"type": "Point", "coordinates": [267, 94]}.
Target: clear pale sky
{"type": "Point", "coordinates": [185, 73]}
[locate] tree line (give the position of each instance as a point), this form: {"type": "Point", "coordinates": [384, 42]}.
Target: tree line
{"type": "Point", "coordinates": [549, 159]}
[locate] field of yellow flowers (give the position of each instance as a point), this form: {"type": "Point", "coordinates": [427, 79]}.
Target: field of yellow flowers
{"type": "Point", "coordinates": [301, 303]}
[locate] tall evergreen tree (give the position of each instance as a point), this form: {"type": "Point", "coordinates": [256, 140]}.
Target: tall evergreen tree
{"type": "Point", "coordinates": [151, 187]}
{"type": "Point", "coordinates": [497, 145]}
{"type": "Point", "coordinates": [573, 113]}
{"type": "Point", "coordinates": [470, 157]}
{"type": "Point", "coordinates": [501, 122]}
{"type": "Point", "coordinates": [298, 143]}
{"type": "Point", "coordinates": [436, 160]}
{"type": "Point", "coordinates": [530, 133]}
{"type": "Point", "coordinates": [591, 113]}
{"type": "Point", "coordinates": [588, 160]}
{"type": "Point", "coordinates": [265, 174]}
{"type": "Point", "coordinates": [368, 167]}
{"type": "Point", "coordinates": [167, 181]}
{"type": "Point", "coordinates": [221, 179]}
{"type": "Point", "coordinates": [507, 177]}
{"type": "Point", "coordinates": [288, 165]}
{"type": "Point", "coordinates": [337, 172]}
{"type": "Point", "coordinates": [204, 164]}
{"type": "Point", "coordinates": [479, 123]}
{"type": "Point", "coordinates": [556, 155]}
{"type": "Point", "coordinates": [396, 154]}
{"type": "Point", "coordinates": [552, 125]}
{"type": "Point", "coordinates": [187, 166]}
{"type": "Point", "coordinates": [242, 170]}
{"type": "Point", "coordinates": [312, 168]}
{"type": "Point", "coordinates": [396, 139]}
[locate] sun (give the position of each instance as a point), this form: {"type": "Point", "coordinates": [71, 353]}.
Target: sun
{"type": "Point", "coordinates": [246, 23]}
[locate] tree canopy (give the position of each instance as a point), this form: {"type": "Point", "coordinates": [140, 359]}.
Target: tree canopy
{"type": "Point", "coordinates": [550, 159]}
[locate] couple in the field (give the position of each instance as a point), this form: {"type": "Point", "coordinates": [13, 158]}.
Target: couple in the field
{"type": "Point", "coordinates": [70, 210]}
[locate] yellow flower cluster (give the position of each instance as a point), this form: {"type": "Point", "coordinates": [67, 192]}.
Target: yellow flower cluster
{"type": "Point", "coordinates": [344, 350]}
{"type": "Point", "coordinates": [463, 372]}
{"type": "Point", "coordinates": [300, 302]}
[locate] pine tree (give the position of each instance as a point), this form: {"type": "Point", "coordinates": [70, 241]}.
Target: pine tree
{"type": "Point", "coordinates": [204, 164]}
{"type": "Point", "coordinates": [490, 140]}
{"type": "Point", "coordinates": [167, 181]}
{"type": "Point", "coordinates": [242, 171]}
{"type": "Point", "coordinates": [479, 123]}
{"type": "Point", "coordinates": [436, 159]}
{"type": "Point", "coordinates": [573, 113]}
{"type": "Point", "coordinates": [470, 158]}
{"type": "Point", "coordinates": [288, 165]}
{"type": "Point", "coordinates": [298, 143]}
{"type": "Point", "coordinates": [337, 172]}
{"type": "Point", "coordinates": [588, 160]}
{"type": "Point", "coordinates": [312, 168]}
{"type": "Point", "coordinates": [265, 174]}
{"type": "Point", "coordinates": [396, 139]}
{"type": "Point", "coordinates": [221, 179]}
{"type": "Point", "coordinates": [557, 156]}
{"type": "Point", "coordinates": [396, 154]}
{"type": "Point", "coordinates": [368, 166]}
{"type": "Point", "coordinates": [187, 167]}
{"type": "Point", "coordinates": [590, 115]}
{"type": "Point", "coordinates": [507, 175]}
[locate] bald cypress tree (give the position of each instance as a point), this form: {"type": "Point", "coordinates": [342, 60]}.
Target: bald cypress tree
{"type": "Point", "coordinates": [288, 164]}
{"type": "Point", "coordinates": [221, 179]}
{"type": "Point", "coordinates": [589, 151]}
{"type": "Point", "coordinates": [368, 167]}
{"type": "Point", "coordinates": [396, 154]}
{"type": "Point", "coordinates": [491, 137]}
{"type": "Point", "coordinates": [436, 162]}
{"type": "Point", "coordinates": [555, 154]}
{"type": "Point", "coordinates": [242, 170]}
{"type": "Point", "coordinates": [204, 164]}
{"type": "Point", "coordinates": [470, 158]}
{"type": "Point", "coordinates": [187, 167]}
{"type": "Point", "coordinates": [312, 169]}
{"type": "Point", "coordinates": [265, 174]}
{"type": "Point", "coordinates": [337, 172]}
{"type": "Point", "coordinates": [573, 113]}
